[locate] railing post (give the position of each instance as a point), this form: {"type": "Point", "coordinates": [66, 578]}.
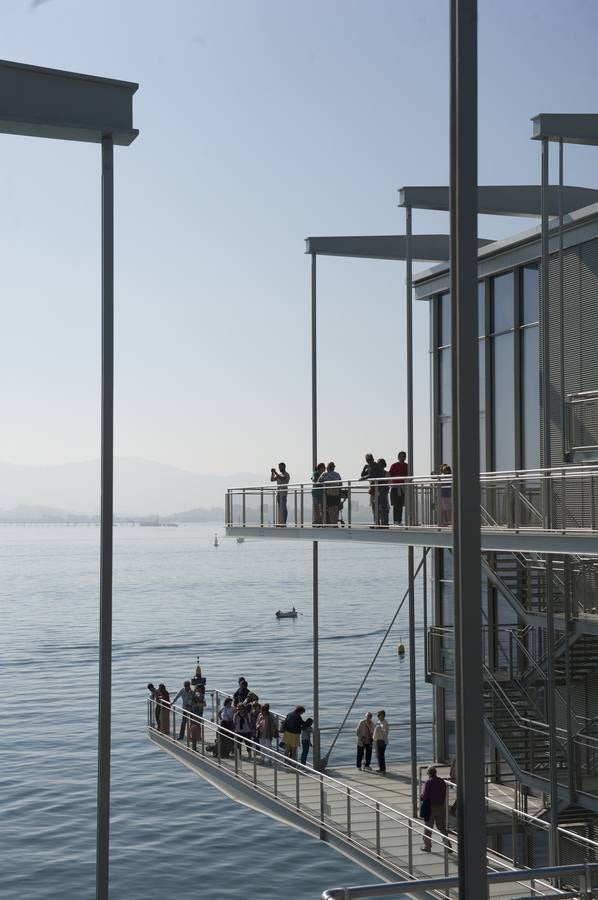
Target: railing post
{"type": "Point", "coordinates": [275, 764]}
{"type": "Point", "coordinates": [510, 505]}
{"type": "Point", "coordinates": [254, 766]}
{"type": "Point", "coordinates": [297, 796]}
{"type": "Point", "coordinates": [324, 515]}
{"type": "Point", "coordinates": [302, 507]}
{"type": "Point", "coordinates": [321, 798]}
{"type": "Point", "coordinates": [218, 744]}
{"type": "Point", "coordinates": [237, 754]}
{"type": "Point", "coordinates": [348, 812]}
{"type": "Point", "coordinates": [173, 723]}
{"type": "Point", "coordinates": [410, 848]}
{"type": "Point", "coordinates": [261, 507]}
{"type": "Point", "coordinates": [243, 509]}
{"type": "Point", "coordinates": [514, 838]}
{"type": "Point", "coordinates": [295, 505]}
{"type": "Point", "coordinates": [377, 828]}
{"type": "Point", "coordinates": [349, 504]}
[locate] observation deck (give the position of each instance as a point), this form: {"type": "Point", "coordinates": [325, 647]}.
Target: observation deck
{"type": "Point", "coordinates": [363, 816]}
{"type": "Point", "coordinates": [515, 509]}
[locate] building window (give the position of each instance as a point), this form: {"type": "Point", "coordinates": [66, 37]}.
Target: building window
{"type": "Point", "coordinates": [481, 308]}
{"type": "Point", "coordinates": [502, 296]}
{"type": "Point", "coordinates": [530, 292]}
{"type": "Point", "coordinates": [444, 324]}
{"type": "Point", "coordinates": [530, 367]}
{"type": "Point", "coordinates": [503, 396]}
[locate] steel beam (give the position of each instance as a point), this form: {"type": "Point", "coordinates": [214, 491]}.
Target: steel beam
{"type": "Point", "coordinates": [503, 199]}
{"type": "Point", "coordinates": [422, 247]}
{"type": "Point", "coordinates": [466, 457]}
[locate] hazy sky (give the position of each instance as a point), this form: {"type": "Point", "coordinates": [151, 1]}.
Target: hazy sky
{"type": "Point", "coordinates": [261, 123]}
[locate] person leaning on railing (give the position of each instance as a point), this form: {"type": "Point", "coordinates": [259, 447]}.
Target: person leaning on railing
{"type": "Point", "coordinates": [332, 495]}
{"type": "Point", "coordinates": [316, 495]}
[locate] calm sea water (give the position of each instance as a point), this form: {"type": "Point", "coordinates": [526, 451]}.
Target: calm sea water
{"type": "Point", "coordinates": [176, 596]}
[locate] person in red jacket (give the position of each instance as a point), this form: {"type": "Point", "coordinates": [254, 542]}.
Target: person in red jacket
{"type": "Point", "coordinates": [398, 473]}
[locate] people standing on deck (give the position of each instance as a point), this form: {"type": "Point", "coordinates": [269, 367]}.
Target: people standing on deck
{"type": "Point", "coordinates": [242, 692]}
{"type": "Point", "coordinates": [398, 472]}
{"type": "Point", "coordinates": [434, 809]}
{"type": "Point", "coordinates": [383, 490]}
{"type": "Point", "coordinates": [292, 726]}
{"type": "Point", "coordinates": [365, 740]}
{"type": "Point", "coordinates": [243, 726]}
{"type": "Point", "coordinates": [282, 478]}
{"type": "Point", "coordinates": [198, 703]}
{"type": "Point", "coordinates": [306, 736]}
{"type": "Point", "coordinates": [164, 704]}
{"type": "Point", "coordinates": [371, 471]}
{"type": "Point", "coordinates": [381, 740]}
{"type": "Point", "coordinates": [316, 495]}
{"type": "Point", "coordinates": [253, 712]}
{"type": "Point", "coordinates": [227, 711]}
{"type": "Point", "coordinates": [154, 696]}
{"type": "Point", "coordinates": [332, 494]}
{"type": "Point", "coordinates": [267, 728]}
{"type": "Point", "coordinates": [186, 695]}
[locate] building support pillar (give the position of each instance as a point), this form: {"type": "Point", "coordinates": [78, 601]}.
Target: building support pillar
{"type": "Point", "coordinates": [106, 524]}
{"type": "Point", "coordinates": [466, 452]}
{"type": "Point", "coordinates": [317, 745]}
{"type": "Point", "coordinates": [408, 512]}
{"type": "Point", "coordinates": [546, 464]}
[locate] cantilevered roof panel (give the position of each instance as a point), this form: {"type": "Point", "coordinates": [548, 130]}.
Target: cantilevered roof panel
{"type": "Point", "coordinates": [424, 247]}
{"type": "Point", "coordinates": [571, 128]}
{"type": "Point", "coordinates": [39, 102]}
{"type": "Point", "coordinates": [502, 200]}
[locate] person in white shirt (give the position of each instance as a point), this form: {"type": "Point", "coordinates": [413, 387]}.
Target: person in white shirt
{"type": "Point", "coordinates": [186, 695]}
{"type": "Point", "coordinates": [226, 714]}
{"type": "Point", "coordinates": [282, 478]}
{"type": "Point", "coordinates": [381, 740]}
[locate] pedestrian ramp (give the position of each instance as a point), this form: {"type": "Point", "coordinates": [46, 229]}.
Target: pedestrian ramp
{"type": "Point", "coordinates": [358, 814]}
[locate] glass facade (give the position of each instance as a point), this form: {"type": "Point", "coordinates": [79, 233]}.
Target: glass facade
{"type": "Point", "coordinates": [509, 395]}
{"type": "Point", "coordinates": [509, 378]}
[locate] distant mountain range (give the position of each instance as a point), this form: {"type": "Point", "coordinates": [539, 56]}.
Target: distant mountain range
{"type": "Point", "coordinates": [141, 488]}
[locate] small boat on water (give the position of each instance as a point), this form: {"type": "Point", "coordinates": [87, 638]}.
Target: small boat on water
{"type": "Point", "coordinates": [241, 540]}
{"type": "Point", "coordinates": [289, 614]}
{"type": "Point", "coordinates": [215, 540]}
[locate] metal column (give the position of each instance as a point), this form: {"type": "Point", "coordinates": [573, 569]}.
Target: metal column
{"type": "Point", "coordinates": [466, 455]}
{"type": "Point", "coordinates": [315, 562]}
{"type": "Point", "coordinates": [546, 463]}
{"type": "Point", "coordinates": [408, 511]}
{"type": "Point", "coordinates": [106, 527]}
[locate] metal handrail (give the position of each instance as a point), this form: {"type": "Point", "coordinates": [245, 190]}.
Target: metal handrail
{"type": "Point", "coordinates": [282, 763]}
{"type": "Point", "coordinates": [423, 887]}
{"type": "Point", "coordinates": [511, 501]}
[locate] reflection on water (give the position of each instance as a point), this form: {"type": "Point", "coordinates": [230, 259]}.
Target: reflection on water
{"type": "Point", "coordinates": [176, 597]}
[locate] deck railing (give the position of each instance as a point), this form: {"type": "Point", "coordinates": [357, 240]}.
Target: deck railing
{"type": "Point", "coordinates": [382, 832]}
{"type": "Point", "coordinates": [585, 874]}
{"type": "Point", "coordinates": [517, 501]}
{"type": "Point", "coordinates": [369, 824]}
